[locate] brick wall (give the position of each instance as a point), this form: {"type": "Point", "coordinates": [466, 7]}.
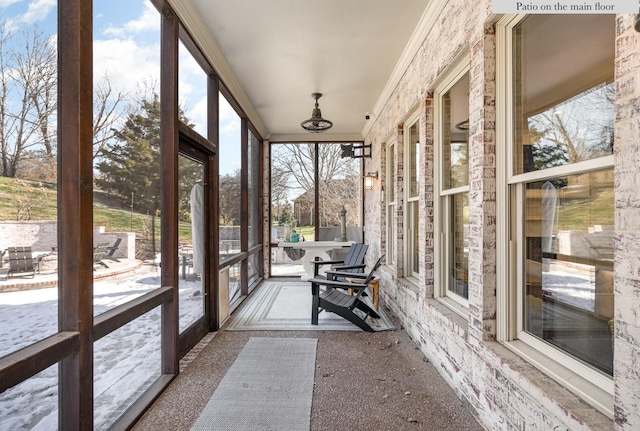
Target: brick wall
{"type": "Point", "coordinates": [43, 236]}
{"type": "Point", "coordinates": [39, 235]}
{"type": "Point", "coordinates": [627, 227]}
{"type": "Point", "coordinates": [503, 390]}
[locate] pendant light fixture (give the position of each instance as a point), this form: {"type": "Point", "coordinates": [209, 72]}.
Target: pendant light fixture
{"type": "Point", "coordinates": [316, 124]}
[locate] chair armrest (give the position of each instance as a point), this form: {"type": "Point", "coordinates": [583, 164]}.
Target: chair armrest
{"type": "Point", "coordinates": [346, 274]}
{"type": "Point", "coordinates": [337, 284]}
{"type": "Point", "coordinates": [326, 262]}
{"type": "Point", "coordinates": [340, 268]}
{"type": "Point", "coordinates": [318, 263]}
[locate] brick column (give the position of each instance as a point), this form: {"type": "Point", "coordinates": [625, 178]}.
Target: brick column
{"type": "Point", "coordinates": [482, 189]}
{"type": "Point", "coordinates": [627, 226]}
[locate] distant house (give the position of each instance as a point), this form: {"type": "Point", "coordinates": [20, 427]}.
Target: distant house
{"type": "Point", "coordinates": [334, 194]}
{"type": "Point", "coordinates": [303, 209]}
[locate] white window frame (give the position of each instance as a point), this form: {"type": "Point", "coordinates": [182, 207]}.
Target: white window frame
{"type": "Point", "coordinates": [391, 204]}
{"type": "Point", "coordinates": [457, 303]}
{"type": "Point", "coordinates": [592, 385]}
{"type": "Point", "coordinates": [410, 258]}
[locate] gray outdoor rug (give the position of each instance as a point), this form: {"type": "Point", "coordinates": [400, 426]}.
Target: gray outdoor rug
{"type": "Point", "coordinates": [286, 306]}
{"type": "Point", "coordinates": [268, 387]}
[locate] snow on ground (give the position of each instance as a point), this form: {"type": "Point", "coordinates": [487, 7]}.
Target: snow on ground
{"type": "Point", "coordinates": [576, 288]}
{"type": "Point", "coordinates": [126, 361]}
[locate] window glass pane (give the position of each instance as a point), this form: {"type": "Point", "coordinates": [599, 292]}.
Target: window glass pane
{"type": "Point", "coordinates": [339, 189]}
{"type": "Point", "coordinates": [569, 264]}
{"type": "Point", "coordinates": [114, 291]}
{"type": "Point", "coordinates": [192, 91]}
{"type": "Point", "coordinates": [455, 128]}
{"type": "Point", "coordinates": [459, 245]}
{"type": "Point", "coordinates": [126, 149]}
{"type": "Point", "coordinates": [391, 179]}
{"type": "Point", "coordinates": [391, 185]}
{"type": "Point", "coordinates": [411, 218]}
{"type": "Point", "coordinates": [191, 240]}
{"type": "Point", "coordinates": [254, 268]}
{"type": "Point", "coordinates": [27, 316]}
{"type": "Point", "coordinates": [229, 187]}
{"type": "Point", "coordinates": [28, 173]}
{"type": "Point", "coordinates": [292, 203]}
{"type": "Point", "coordinates": [563, 109]}
{"type": "Point", "coordinates": [234, 281]}
{"type": "Point", "coordinates": [414, 212]}
{"type": "Point", "coordinates": [413, 148]}
{"type": "Point", "coordinates": [32, 404]}
{"type": "Point", "coordinates": [254, 190]}
{"type": "Point", "coordinates": [126, 363]}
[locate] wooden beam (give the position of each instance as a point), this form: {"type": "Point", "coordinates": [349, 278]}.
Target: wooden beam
{"type": "Point", "coordinates": [213, 121]}
{"type": "Point", "coordinates": [244, 204]}
{"type": "Point", "coordinates": [29, 361]}
{"type": "Point", "coordinates": [169, 185]}
{"type": "Point", "coordinates": [117, 317]}
{"type": "Point", "coordinates": [75, 216]}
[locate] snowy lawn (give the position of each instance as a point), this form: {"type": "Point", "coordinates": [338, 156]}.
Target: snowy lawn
{"type": "Point", "coordinates": [126, 361]}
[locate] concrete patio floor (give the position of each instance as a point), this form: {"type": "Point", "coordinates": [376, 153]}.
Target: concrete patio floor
{"type": "Point", "coordinates": [363, 381]}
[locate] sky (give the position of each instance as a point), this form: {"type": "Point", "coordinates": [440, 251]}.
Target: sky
{"type": "Point", "coordinates": [127, 53]}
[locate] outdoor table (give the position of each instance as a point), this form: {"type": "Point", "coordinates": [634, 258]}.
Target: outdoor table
{"type": "Point", "coordinates": [315, 249]}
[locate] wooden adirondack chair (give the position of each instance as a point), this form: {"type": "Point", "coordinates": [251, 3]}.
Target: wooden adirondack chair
{"type": "Point", "coordinates": [352, 263]}
{"type": "Point", "coordinates": [335, 300]}
{"type": "Point", "coordinates": [111, 250]}
{"type": "Point", "coordinates": [21, 262]}
{"type": "Point", "coordinates": [98, 254]}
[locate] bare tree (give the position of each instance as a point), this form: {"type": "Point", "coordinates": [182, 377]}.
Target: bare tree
{"type": "Point", "coordinates": [28, 201]}
{"type": "Point", "coordinates": [107, 114]}
{"type": "Point", "coordinates": [27, 94]}
{"type": "Point", "coordinates": [229, 198]}
{"type": "Point", "coordinates": [279, 190]}
{"type": "Point", "coordinates": [578, 129]}
{"type": "Point", "coordinates": [28, 105]}
{"type": "Point", "coordinates": [338, 178]}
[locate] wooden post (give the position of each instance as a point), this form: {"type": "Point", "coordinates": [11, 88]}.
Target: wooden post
{"type": "Point", "coordinates": [75, 217]}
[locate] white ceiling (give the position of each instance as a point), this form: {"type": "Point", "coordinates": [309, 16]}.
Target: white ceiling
{"type": "Point", "coordinates": [273, 54]}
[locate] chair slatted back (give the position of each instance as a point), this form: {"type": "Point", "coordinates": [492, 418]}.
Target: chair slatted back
{"type": "Point", "coordinates": [20, 259]}
{"type": "Point", "coordinates": [99, 251]}
{"type": "Point", "coordinates": [355, 256]}
{"type": "Point", "coordinates": [372, 273]}
{"type": "Point", "coordinates": [115, 246]}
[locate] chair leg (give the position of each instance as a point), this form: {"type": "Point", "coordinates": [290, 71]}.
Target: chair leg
{"type": "Point", "coordinates": [315, 303]}
{"type": "Point", "coordinates": [352, 317]}
{"type": "Point", "coordinates": [364, 307]}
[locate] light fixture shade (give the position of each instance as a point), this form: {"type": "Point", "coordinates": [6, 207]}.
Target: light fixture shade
{"type": "Point", "coordinates": [370, 180]}
{"type": "Point", "coordinates": [316, 124]}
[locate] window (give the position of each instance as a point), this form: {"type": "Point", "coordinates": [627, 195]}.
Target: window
{"type": "Point", "coordinates": [254, 189]}
{"type": "Point", "coordinates": [229, 187]}
{"type": "Point", "coordinates": [391, 204]}
{"type": "Point", "coordinates": [561, 191]}
{"type": "Point", "coordinates": [452, 101]}
{"type": "Point", "coordinates": [310, 185]}
{"type": "Point", "coordinates": [412, 212]}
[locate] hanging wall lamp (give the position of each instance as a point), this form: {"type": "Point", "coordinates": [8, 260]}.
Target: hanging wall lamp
{"type": "Point", "coordinates": [370, 180]}
{"type": "Point", "coordinates": [316, 124]}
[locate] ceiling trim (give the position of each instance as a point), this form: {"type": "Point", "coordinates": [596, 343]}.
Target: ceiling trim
{"type": "Point", "coordinates": [316, 137]}
{"type": "Point", "coordinates": [192, 21]}
{"type": "Point", "coordinates": [427, 20]}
